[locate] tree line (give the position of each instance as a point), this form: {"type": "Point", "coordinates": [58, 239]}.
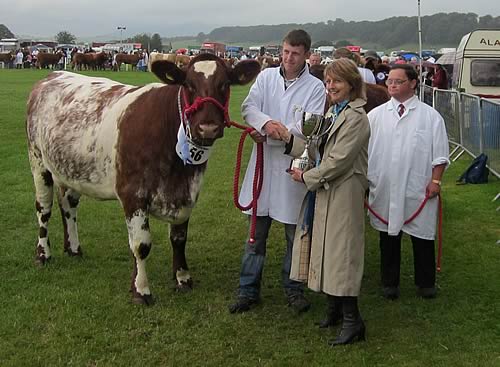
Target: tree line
{"type": "Point", "coordinates": [437, 29]}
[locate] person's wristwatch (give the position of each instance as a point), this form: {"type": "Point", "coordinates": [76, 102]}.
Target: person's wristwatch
{"type": "Point", "coordinates": [437, 182]}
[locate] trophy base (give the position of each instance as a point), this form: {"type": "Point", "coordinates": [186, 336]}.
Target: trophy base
{"type": "Point", "coordinates": [299, 163]}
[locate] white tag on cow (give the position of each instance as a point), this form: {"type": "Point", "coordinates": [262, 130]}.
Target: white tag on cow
{"type": "Point", "coordinates": [190, 152]}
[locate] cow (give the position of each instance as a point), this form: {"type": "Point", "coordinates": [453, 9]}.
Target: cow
{"type": "Point", "coordinates": [122, 58]}
{"type": "Point", "coordinates": [7, 57]}
{"type": "Point", "coordinates": [45, 59]}
{"type": "Point", "coordinates": [99, 60]}
{"type": "Point", "coordinates": [268, 61]}
{"type": "Point", "coordinates": [181, 61]}
{"type": "Point", "coordinates": [145, 146]}
{"type": "Point", "coordinates": [91, 60]}
{"type": "Point", "coordinates": [375, 94]}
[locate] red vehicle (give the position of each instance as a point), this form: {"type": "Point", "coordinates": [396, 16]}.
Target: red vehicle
{"type": "Point", "coordinates": [215, 48]}
{"type": "Point", "coordinates": [354, 48]}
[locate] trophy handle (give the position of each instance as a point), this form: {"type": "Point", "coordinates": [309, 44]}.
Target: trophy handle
{"type": "Point", "coordinates": [317, 127]}
{"type": "Point", "coordinates": [326, 126]}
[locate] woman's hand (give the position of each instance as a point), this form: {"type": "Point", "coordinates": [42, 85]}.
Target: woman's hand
{"type": "Point", "coordinates": [296, 174]}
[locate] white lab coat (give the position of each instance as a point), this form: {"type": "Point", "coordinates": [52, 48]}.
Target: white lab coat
{"type": "Point", "coordinates": [19, 58]}
{"type": "Point", "coordinates": [401, 154]}
{"type": "Point", "coordinates": [281, 197]}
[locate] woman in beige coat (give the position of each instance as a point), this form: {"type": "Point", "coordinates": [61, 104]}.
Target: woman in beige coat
{"type": "Point", "coordinates": [331, 260]}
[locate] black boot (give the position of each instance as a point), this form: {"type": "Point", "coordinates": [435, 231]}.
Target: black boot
{"type": "Point", "coordinates": [333, 312]}
{"type": "Point", "coordinates": [353, 327]}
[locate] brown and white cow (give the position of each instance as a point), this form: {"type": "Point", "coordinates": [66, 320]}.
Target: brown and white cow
{"type": "Point", "coordinates": [107, 140]}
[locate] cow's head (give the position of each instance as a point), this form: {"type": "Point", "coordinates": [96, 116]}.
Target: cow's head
{"type": "Point", "coordinates": [204, 93]}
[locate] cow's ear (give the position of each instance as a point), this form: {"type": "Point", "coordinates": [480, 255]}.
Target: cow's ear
{"type": "Point", "coordinates": [168, 72]}
{"type": "Point", "coordinates": [244, 72]}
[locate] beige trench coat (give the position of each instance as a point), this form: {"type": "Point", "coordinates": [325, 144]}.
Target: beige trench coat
{"type": "Point", "coordinates": [336, 256]}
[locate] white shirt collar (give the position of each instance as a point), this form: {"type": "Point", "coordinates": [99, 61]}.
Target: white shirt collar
{"type": "Point", "coordinates": [409, 103]}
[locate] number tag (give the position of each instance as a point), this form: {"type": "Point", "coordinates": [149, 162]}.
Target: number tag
{"type": "Point", "coordinates": [196, 153]}
{"type": "Point", "coordinates": [199, 154]}
{"type": "Point", "coordinates": [190, 152]}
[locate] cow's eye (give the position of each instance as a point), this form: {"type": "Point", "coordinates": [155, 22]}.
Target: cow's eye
{"type": "Point", "coordinates": [190, 88]}
{"type": "Point", "coordinates": [224, 87]}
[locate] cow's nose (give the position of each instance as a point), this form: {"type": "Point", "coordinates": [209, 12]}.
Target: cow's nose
{"type": "Point", "coordinates": [210, 130]}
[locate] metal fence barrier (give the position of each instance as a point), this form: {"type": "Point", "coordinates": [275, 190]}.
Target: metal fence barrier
{"type": "Point", "coordinates": [428, 95]}
{"type": "Point", "coordinates": [490, 118]}
{"type": "Point", "coordinates": [472, 123]}
{"type": "Point", "coordinates": [447, 103]}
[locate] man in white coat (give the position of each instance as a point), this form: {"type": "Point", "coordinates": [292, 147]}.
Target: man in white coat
{"type": "Point", "coordinates": [272, 107]}
{"type": "Point", "coordinates": [407, 155]}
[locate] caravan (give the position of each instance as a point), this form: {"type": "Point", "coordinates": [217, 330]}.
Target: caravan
{"type": "Point", "coordinates": [477, 64]}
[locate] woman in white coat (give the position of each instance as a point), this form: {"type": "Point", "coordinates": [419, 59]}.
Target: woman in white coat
{"type": "Point", "coordinates": [336, 255]}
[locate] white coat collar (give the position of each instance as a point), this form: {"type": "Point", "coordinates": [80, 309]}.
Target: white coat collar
{"type": "Point", "coordinates": [409, 104]}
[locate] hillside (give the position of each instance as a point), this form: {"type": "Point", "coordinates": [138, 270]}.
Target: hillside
{"type": "Point", "coordinates": [438, 30]}
{"type": "Point", "coordinates": [5, 32]}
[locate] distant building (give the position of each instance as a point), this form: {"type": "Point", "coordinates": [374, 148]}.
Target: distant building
{"type": "Point", "coordinates": [9, 44]}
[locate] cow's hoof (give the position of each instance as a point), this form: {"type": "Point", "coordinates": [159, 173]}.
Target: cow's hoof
{"type": "Point", "coordinates": [41, 260]}
{"type": "Point", "coordinates": [70, 253]}
{"type": "Point", "coordinates": [184, 287]}
{"type": "Point", "coordinates": [147, 299]}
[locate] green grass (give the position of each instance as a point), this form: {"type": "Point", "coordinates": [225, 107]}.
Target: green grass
{"type": "Point", "coordinates": [77, 312]}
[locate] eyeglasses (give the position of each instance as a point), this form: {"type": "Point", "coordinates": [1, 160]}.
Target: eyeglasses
{"type": "Point", "coordinates": [395, 81]}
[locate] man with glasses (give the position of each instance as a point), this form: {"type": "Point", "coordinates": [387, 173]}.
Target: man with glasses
{"type": "Point", "coordinates": [407, 155]}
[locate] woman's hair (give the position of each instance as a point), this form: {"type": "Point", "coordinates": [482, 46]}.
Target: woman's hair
{"type": "Point", "coordinates": [347, 70]}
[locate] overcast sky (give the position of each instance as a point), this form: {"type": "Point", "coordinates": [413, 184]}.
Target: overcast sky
{"type": "Point", "coordinates": [101, 18]}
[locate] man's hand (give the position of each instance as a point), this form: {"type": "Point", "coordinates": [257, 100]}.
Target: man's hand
{"type": "Point", "coordinates": [257, 137]}
{"type": "Point", "coordinates": [432, 190]}
{"type": "Point", "coordinates": [275, 129]}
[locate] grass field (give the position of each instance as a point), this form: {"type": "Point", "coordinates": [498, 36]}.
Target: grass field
{"type": "Point", "coordinates": [77, 312]}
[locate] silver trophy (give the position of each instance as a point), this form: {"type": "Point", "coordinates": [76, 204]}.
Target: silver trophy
{"type": "Point", "coordinates": [314, 126]}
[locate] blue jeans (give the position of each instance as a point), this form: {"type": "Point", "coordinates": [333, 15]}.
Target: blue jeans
{"type": "Point", "coordinates": [252, 263]}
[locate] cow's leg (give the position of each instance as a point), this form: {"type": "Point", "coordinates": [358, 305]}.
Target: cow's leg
{"type": "Point", "coordinates": [44, 192]}
{"type": "Point", "coordinates": [140, 245]}
{"type": "Point", "coordinates": [178, 238]}
{"type": "Point", "coordinates": [68, 203]}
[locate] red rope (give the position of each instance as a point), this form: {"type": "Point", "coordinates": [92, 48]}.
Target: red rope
{"type": "Point", "coordinates": [440, 233]}
{"type": "Point", "coordinates": [258, 178]}
{"type": "Point", "coordinates": [413, 216]}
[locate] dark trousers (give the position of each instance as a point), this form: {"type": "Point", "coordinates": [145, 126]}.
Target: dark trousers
{"type": "Point", "coordinates": [424, 261]}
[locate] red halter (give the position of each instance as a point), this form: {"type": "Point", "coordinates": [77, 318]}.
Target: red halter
{"type": "Point", "coordinates": [189, 109]}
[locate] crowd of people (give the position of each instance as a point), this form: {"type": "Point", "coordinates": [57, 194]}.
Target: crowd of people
{"type": "Point", "coordinates": [27, 59]}
{"type": "Point", "coordinates": [395, 156]}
